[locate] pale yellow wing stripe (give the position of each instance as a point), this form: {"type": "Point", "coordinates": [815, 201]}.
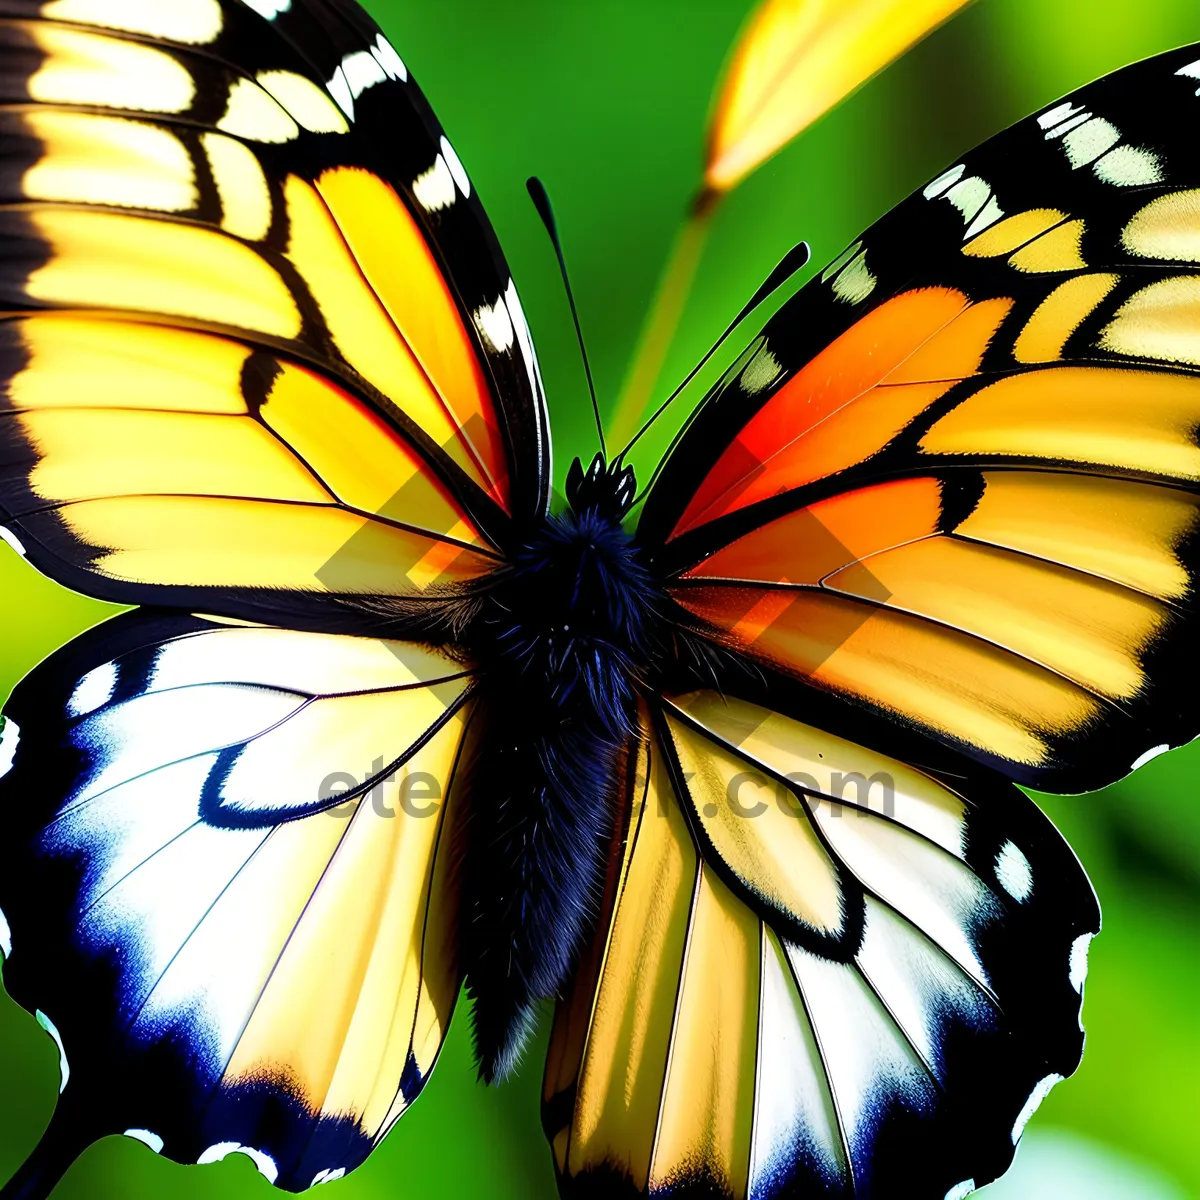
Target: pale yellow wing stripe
{"type": "Point", "coordinates": [396, 261]}
{"type": "Point", "coordinates": [1121, 420]}
{"type": "Point", "coordinates": [326, 446]}
{"type": "Point", "coordinates": [190, 22]}
{"type": "Point", "coordinates": [774, 854]}
{"type": "Point", "coordinates": [1154, 322]}
{"type": "Point", "coordinates": [124, 263]}
{"type": "Point", "coordinates": [655, 1091]}
{"type": "Point", "coordinates": [365, 335]}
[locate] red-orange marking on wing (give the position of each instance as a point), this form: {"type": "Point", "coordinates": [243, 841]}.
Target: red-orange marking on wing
{"type": "Point", "coordinates": [852, 398]}
{"type": "Point", "coordinates": [807, 545]}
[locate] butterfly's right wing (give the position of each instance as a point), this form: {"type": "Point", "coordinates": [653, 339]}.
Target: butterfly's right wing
{"type": "Point", "coordinates": [822, 973]}
{"type": "Point", "coordinates": [955, 484]}
{"type": "Point", "coordinates": [226, 885]}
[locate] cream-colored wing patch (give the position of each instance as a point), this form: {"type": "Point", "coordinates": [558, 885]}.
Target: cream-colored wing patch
{"type": "Point", "coordinates": [90, 69]}
{"type": "Point", "coordinates": [190, 22]}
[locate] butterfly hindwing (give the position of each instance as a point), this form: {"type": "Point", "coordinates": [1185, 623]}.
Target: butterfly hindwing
{"type": "Point", "coordinates": [227, 884]}
{"type": "Point", "coordinates": [955, 479]}
{"type": "Point", "coordinates": [205, 217]}
{"type": "Point", "coordinates": [821, 972]}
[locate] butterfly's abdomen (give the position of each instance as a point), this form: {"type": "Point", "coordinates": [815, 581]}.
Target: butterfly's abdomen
{"type": "Point", "coordinates": [567, 632]}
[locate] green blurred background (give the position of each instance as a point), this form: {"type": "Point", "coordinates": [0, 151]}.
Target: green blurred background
{"type": "Point", "coordinates": [607, 101]}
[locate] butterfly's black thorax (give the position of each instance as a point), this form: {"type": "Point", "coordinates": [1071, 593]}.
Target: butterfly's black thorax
{"type": "Point", "coordinates": [566, 635]}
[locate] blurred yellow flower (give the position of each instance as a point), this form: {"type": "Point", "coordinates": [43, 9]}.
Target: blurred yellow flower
{"type": "Point", "coordinates": [794, 62]}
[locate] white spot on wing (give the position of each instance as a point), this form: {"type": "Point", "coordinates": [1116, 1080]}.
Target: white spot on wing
{"type": "Point", "coordinates": [64, 1068]}
{"type": "Point", "coordinates": [1058, 114]}
{"type": "Point", "coordinates": [193, 22]}
{"type": "Point", "coordinates": [1129, 166]}
{"type": "Point", "coordinates": [264, 1162]}
{"type": "Point", "coordinates": [1066, 127]}
{"type": "Point", "coordinates": [252, 113]}
{"type": "Point", "coordinates": [456, 168]}
{"type": "Point", "coordinates": [839, 262]}
{"type": "Point", "coordinates": [1192, 70]}
{"type": "Point", "coordinates": [146, 1138]}
{"type": "Point", "coordinates": [1079, 960]}
{"type": "Point", "coordinates": [5, 937]}
{"type": "Point", "coordinates": [495, 326]}
{"type": "Point", "coordinates": [524, 340]}
{"type": "Point", "coordinates": [944, 182]}
{"type": "Point", "coordinates": [7, 535]}
{"type": "Point", "coordinates": [434, 189]}
{"type": "Point", "coordinates": [339, 89]}
{"type": "Point", "coordinates": [761, 371]}
{"type": "Point", "coordinates": [1039, 1093]}
{"type": "Point", "coordinates": [362, 71]}
{"type": "Point", "coordinates": [960, 1191]}
{"type": "Point", "coordinates": [1013, 872]}
{"type": "Point", "coordinates": [386, 56]}
{"type": "Point", "coordinates": [329, 1176]}
{"type": "Point", "coordinates": [1149, 755]}
{"type": "Point", "coordinates": [217, 1153]}
{"type": "Point", "coordinates": [10, 736]}
{"type": "Point", "coordinates": [988, 215]}
{"type": "Point", "coordinates": [970, 196]}
{"type": "Point", "coordinates": [222, 1150]}
{"type": "Point", "coordinates": [1092, 139]}
{"type": "Point", "coordinates": [304, 100]}
{"type": "Point", "coordinates": [93, 691]}
{"type": "Point", "coordinates": [270, 8]}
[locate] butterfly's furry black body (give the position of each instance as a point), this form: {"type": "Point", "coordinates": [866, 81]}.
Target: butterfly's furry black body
{"type": "Point", "coordinates": [563, 636]}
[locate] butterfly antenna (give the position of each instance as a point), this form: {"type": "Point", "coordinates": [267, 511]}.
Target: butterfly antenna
{"type": "Point", "coordinates": [794, 260]}
{"type": "Point", "coordinates": [541, 201]}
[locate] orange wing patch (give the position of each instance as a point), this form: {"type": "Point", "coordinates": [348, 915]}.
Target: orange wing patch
{"type": "Point", "coordinates": [852, 399]}
{"type": "Point", "coordinates": [1025, 617]}
{"type": "Point", "coordinates": [811, 543]}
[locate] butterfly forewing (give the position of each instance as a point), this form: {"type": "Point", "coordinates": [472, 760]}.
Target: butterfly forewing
{"type": "Point", "coordinates": [258, 303]}
{"type": "Point", "coordinates": [955, 480]}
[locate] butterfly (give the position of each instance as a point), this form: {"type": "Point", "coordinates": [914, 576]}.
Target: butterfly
{"type": "Point", "coordinates": [726, 766]}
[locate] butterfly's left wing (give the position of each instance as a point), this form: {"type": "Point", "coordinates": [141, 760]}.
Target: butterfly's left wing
{"type": "Point", "coordinates": [226, 886]}
{"type": "Point", "coordinates": [955, 485]}
{"type": "Point", "coordinates": [821, 972]}
{"type": "Point", "coordinates": [261, 352]}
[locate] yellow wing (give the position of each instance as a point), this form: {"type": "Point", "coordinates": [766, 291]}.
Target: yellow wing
{"type": "Point", "coordinates": [254, 349]}
{"type": "Point", "coordinates": [822, 972]}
